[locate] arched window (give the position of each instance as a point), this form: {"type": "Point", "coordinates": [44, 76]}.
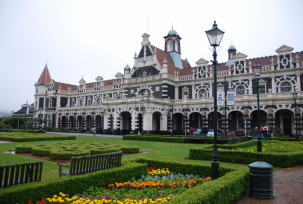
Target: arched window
{"type": "Point", "coordinates": [240, 90]}
{"type": "Point", "coordinates": [169, 45]}
{"type": "Point", "coordinates": [285, 87]}
{"type": "Point", "coordinates": [202, 93]}
{"type": "Point", "coordinates": [176, 46]}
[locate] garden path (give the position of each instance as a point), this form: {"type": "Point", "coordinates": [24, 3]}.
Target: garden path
{"type": "Point", "coordinates": [287, 188]}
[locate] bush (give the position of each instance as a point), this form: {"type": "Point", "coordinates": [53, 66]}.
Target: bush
{"type": "Point", "coordinates": [23, 149]}
{"type": "Point", "coordinates": [240, 157]}
{"type": "Point", "coordinates": [156, 138]}
{"type": "Point", "coordinates": [278, 132]}
{"type": "Point", "coordinates": [131, 149]}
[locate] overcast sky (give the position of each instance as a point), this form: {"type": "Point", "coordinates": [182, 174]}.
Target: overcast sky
{"type": "Point", "coordinates": [91, 38]}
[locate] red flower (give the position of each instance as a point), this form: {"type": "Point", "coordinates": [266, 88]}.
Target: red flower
{"type": "Point", "coordinates": [30, 202]}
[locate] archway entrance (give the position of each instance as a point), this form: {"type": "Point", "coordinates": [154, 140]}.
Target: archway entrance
{"type": "Point", "coordinates": [235, 121]}
{"type": "Point", "coordinates": [99, 124]}
{"type": "Point", "coordinates": [195, 120]}
{"type": "Point", "coordinates": [211, 120]}
{"type": "Point", "coordinates": [156, 123]}
{"type": "Point", "coordinates": [63, 120]}
{"type": "Point", "coordinates": [177, 124]}
{"type": "Point", "coordinates": [125, 122]}
{"type": "Point", "coordinates": [285, 121]}
{"type": "Point", "coordinates": [71, 122]}
{"type": "Point", "coordinates": [254, 119]}
{"type": "Point", "coordinates": [88, 123]}
{"type": "Point", "coordinates": [79, 123]}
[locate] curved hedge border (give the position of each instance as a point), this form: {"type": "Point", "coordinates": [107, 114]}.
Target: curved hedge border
{"type": "Point", "coordinates": [30, 137]}
{"type": "Point", "coordinates": [229, 187]}
{"type": "Point", "coordinates": [70, 185]}
{"type": "Point", "coordinates": [240, 157]}
{"type": "Point", "coordinates": [156, 138]}
{"type": "Point", "coordinates": [61, 151]}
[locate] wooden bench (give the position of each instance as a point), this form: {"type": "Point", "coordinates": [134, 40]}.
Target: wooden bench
{"type": "Point", "coordinates": [13, 174]}
{"type": "Point", "coordinates": [91, 163]}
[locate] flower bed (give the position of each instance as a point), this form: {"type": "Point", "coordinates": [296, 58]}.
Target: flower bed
{"type": "Point", "coordinates": [159, 185]}
{"type": "Point", "coordinates": [232, 183]}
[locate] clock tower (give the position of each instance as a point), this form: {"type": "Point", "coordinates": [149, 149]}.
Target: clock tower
{"type": "Point", "coordinates": [172, 46]}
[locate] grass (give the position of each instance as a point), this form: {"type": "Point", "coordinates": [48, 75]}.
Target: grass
{"type": "Point", "coordinates": [154, 150]}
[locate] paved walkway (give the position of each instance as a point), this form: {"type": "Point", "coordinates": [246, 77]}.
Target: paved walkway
{"type": "Point", "coordinates": [287, 187]}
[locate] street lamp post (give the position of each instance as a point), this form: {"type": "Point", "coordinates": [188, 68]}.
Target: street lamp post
{"type": "Point", "coordinates": [295, 94]}
{"type": "Point", "coordinates": [257, 70]}
{"type": "Point", "coordinates": [225, 105]}
{"type": "Point", "coordinates": [172, 113]}
{"type": "Point", "coordinates": [215, 36]}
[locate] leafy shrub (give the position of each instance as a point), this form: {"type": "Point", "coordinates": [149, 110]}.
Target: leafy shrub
{"type": "Point", "coordinates": [131, 149]}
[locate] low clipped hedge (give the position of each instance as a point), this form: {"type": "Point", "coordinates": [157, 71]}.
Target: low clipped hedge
{"type": "Point", "coordinates": [240, 157]}
{"type": "Point", "coordinates": [229, 187]}
{"type": "Point", "coordinates": [71, 184]}
{"type": "Point", "coordinates": [26, 131]}
{"type": "Point", "coordinates": [131, 149]}
{"type": "Point", "coordinates": [64, 151]}
{"type": "Point", "coordinates": [30, 137]}
{"type": "Point", "coordinates": [156, 138]}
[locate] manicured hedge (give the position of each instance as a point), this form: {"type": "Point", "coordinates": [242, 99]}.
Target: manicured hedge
{"type": "Point", "coordinates": [240, 157]}
{"type": "Point", "coordinates": [64, 151]}
{"type": "Point", "coordinates": [71, 184]}
{"type": "Point", "coordinates": [130, 149]}
{"type": "Point", "coordinates": [156, 138]}
{"type": "Point", "coordinates": [229, 187]}
{"type": "Point", "coordinates": [30, 137]}
{"type": "Point", "coordinates": [180, 139]}
{"type": "Point", "coordinates": [26, 131]}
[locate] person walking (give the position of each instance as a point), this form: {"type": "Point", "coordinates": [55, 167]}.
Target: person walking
{"type": "Point", "coordinates": [94, 132]}
{"type": "Point", "coordinates": [191, 130]}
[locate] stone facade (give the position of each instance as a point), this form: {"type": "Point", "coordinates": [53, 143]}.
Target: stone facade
{"type": "Point", "coordinates": [162, 93]}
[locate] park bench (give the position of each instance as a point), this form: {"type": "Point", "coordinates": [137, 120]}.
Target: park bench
{"type": "Point", "coordinates": [13, 174]}
{"type": "Point", "coordinates": [91, 163]}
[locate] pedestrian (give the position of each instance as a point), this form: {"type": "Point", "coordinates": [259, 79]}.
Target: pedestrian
{"type": "Point", "coordinates": [265, 131]}
{"type": "Point", "coordinates": [94, 132]}
{"type": "Point", "coordinates": [191, 130]}
{"type": "Point", "coordinates": [261, 131]}
{"type": "Point", "coordinates": [256, 132]}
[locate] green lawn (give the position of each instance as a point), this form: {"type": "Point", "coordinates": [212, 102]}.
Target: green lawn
{"type": "Point", "coordinates": [153, 150]}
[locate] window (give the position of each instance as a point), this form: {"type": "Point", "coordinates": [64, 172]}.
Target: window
{"type": "Point", "coordinates": [262, 89]}
{"type": "Point", "coordinates": [169, 45]}
{"type": "Point", "coordinates": [240, 90]}
{"type": "Point", "coordinates": [176, 46]}
{"type": "Point", "coordinates": [88, 102]}
{"type": "Point", "coordinates": [202, 93]}
{"type": "Point", "coordinates": [285, 87]}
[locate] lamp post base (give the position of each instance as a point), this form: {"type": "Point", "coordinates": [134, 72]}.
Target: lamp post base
{"type": "Point", "coordinates": [259, 145]}
{"type": "Point", "coordinates": [215, 169]}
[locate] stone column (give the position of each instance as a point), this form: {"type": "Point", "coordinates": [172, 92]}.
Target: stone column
{"type": "Point", "coordinates": [163, 123]}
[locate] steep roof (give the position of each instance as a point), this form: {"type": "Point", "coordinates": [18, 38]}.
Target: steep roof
{"type": "Point", "coordinates": [161, 55]}
{"type": "Point", "coordinates": [44, 77]}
